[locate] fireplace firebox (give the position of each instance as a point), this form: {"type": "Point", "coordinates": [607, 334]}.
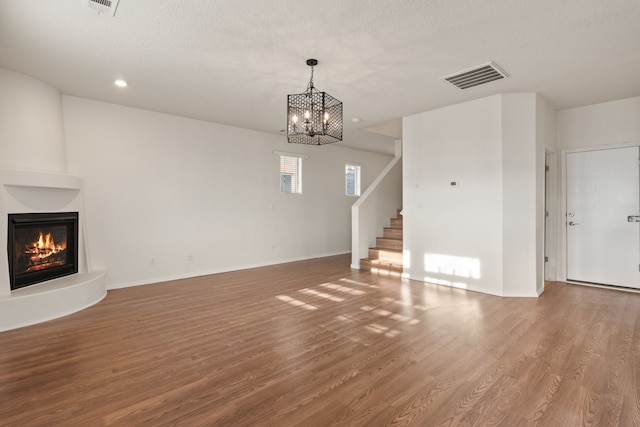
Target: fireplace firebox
{"type": "Point", "coordinates": [41, 246]}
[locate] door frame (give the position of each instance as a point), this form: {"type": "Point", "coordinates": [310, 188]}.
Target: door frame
{"type": "Point", "coordinates": [550, 239]}
{"type": "Point", "coordinates": [561, 224]}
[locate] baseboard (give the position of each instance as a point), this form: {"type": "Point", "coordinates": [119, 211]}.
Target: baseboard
{"type": "Point", "coordinates": [189, 275]}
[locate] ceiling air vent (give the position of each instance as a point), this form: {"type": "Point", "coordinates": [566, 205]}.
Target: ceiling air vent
{"type": "Point", "coordinates": [107, 7]}
{"type": "Point", "coordinates": [475, 76]}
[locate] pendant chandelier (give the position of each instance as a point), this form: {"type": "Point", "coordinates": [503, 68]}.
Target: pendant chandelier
{"type": "Point", "coordinates": [313, 117]}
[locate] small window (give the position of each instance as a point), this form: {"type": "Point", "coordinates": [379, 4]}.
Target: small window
{"type": "Point", "coordinates": [352, 180]}
{"type": "Point", "coordinates": [290, 174]}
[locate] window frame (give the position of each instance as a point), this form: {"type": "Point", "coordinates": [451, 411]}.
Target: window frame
{"type": "Point", "coordinates": [357, 190]}
{"type": "Point", "coordinates": [296, 181]}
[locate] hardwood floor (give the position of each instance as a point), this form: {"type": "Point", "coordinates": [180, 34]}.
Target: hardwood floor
{"type": "Point", "coordinates": [314, 343]}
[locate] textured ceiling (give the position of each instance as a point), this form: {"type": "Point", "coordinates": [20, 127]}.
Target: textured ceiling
{"type": "Point", "coordinates": [234, 62]}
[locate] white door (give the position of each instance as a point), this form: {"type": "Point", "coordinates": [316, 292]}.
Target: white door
{"type": "Point", "coordinates": [603, 207]}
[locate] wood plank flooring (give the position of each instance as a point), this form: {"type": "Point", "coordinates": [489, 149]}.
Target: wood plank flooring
{"type": "Point", "coordinates": [314, 343]}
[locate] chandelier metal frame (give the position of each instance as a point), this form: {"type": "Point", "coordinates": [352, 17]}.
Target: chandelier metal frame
{"type": "Point", "coordinates": [313, 117]}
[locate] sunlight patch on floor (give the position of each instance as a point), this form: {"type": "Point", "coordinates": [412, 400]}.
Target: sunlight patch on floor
{"type": "Point", "coordinates": [330, 297]}
{"type": "Point", "coordinates": [384, 271]}
{"type": "Point", "coordinates": [386, 313]}
{"type": "Point", "coordinates": [399, 317]}
{"type": "Point", "coordinates": [354, 319]}
{"type": "Point", "coordinates": [381, 312]}
{"type": "Point", "coordinates": [296, 303]}
{"type": "Point", "coordinates": [345, 318]}
{"type": "Point", "coordinates": [355, 282]}
{"type": "Point", "coordinates": [379, 329]}
{"type": "Point", "coordinates": [344, 289]}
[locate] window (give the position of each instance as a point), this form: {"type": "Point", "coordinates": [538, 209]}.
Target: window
{"type": "Point", "coordinates": [290, 174]}
{"type": "Point", "coordinates": [352, 180]}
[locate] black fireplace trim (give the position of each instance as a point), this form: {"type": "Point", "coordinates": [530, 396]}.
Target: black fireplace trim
{"type": "Point", "coordinates": [50, 218]}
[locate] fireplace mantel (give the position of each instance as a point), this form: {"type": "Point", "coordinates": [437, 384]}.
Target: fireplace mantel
{"type": "Point", "coordinates": [19, 178]}
{"type": "Point", "coordinates": [32, 192]}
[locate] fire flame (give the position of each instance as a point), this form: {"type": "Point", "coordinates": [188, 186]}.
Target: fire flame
{"type": "Point", "coordinates": [44, 247]}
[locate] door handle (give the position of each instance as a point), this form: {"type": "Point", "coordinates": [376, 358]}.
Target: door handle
{"type": "Point", "coordinates": [571, 223]}
{"type": "Point", "coordinates": [633, 218]}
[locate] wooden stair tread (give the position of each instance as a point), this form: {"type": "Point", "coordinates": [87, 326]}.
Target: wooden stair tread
{"type": "Point", "coordinates": [392, 233]}
{"type": "Point", "coordinates": [381, 262]}
{"type": "Point", "coordinates": [377, 248]}
{"type": "Point", "coordinates": [382, 242]}
{"type": "Point", "coordinates": [387, 255]}
{"type": "Point", "coordinates": [380, 265]}
{"type": "Point", "coordinates": [395, 223]}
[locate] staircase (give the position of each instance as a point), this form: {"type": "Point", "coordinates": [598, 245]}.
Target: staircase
{"type": "Point", "coordinates": [386, 257]}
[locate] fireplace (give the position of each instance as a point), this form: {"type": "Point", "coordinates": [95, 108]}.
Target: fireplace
{"type": "Point", "coordinates": [41, 247]}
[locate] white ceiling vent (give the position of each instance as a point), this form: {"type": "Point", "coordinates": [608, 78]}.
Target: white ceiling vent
{"type": "Point", "coordinates": [475, 76]}
{"type": "Point", "coordinates": [107, 7]}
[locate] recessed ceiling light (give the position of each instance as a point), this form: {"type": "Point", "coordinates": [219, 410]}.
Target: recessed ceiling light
{"type": "Point", "coordinates": [356, 120]}
{"type": "Point", "coordinates": [120, 83]}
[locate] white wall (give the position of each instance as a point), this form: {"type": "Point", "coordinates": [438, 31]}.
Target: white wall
{"type": "Point", "coordinates": [484, 234]}
{"type": "Point", "coordinates": [165, 187]}
{"type": "Point", "coordinates": [458, 230]}
{"type": "Point", "coordinates": [519, 161]}
{"type": "Point", "coordinates": [609, 123]}
{"type": "Point", "coordinates": [31, 133]}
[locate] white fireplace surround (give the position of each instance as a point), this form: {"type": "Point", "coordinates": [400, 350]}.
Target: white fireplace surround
{"type": "Point", "coordinates": [32, 192]}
